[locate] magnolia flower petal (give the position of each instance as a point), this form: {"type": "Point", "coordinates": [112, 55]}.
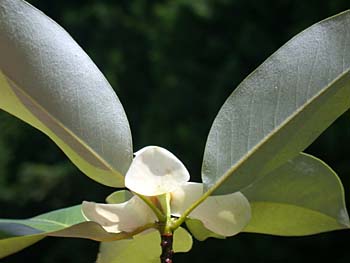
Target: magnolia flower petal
{"type": "Point", "coordinates": [225, 215]}
{"type": "Point", "coordinates": [155, 171]}
{"type": "Point", "coordinates": [123, 217]}
{"type": "Point", "coordinates": [184, 196]}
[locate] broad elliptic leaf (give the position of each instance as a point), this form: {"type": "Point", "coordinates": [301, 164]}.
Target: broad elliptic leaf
{"type": "Point", "coordinates": [302, 197]}
{"type": "Point", "coordinates": [279, 109]}
{"type": "Point", "coordinates": [48, 81]}
{"type": "Point", "coordinates": [69, 222]}
{"type": "Point", "coordinates": [144, 247]}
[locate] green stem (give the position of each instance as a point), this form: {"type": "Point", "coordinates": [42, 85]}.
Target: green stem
{"type": "Point", "coordinates": [168, 222]}
{"type": "Point", "coordinates": [167, 232]}
{"type": "Point", "coordinates": [161, 217]}
{"type": "Point", "coordinates": [125, 235]}
{"type": "Point", "coordinates": [183, 217]}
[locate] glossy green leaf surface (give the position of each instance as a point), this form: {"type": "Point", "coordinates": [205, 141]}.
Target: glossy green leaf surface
{"type": "Point", "coordinates": [144, 247]}
{"type": "Point", "coordinates": [48, 81]}
{"type": "Point", "coordinates": [282, 107]}
{"type": "Point", "coordinates": [302, 197]}
{"type": "Point", "coordinates": [69, 222]}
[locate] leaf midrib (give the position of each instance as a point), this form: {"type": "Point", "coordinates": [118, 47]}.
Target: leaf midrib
{"type": "Point", "coordinates": [80, 141]}
{"type": "Point", "coordinates": [254, 149]}
{"type": "Point", "coordinates": [48, 221]}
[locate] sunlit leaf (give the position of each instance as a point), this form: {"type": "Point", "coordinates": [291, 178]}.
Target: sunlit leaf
{"type": "Point", "coordinates": [280, 108]}
{"type": "Point", "coordinates": [69, 222]}
{"type": "Point", "coordinates": [48, 81]}
{"type": "Point", "coordinates": [182, 240]}
{"type": "Point", "coordinates": [302, 197]}
{"type": "Point", "coordinates": [144, 247]}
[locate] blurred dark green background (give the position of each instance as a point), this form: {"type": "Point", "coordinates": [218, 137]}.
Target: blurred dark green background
{"type": "Point", "coordinates": [172, 64]}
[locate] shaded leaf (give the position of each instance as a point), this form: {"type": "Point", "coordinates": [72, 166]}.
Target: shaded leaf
{"type": "Point", "coordinates": [48, 81]}
{"type": "Point", "coordinates": [302, 197]}
{"type": "Point", "coordinates": [280, 108]}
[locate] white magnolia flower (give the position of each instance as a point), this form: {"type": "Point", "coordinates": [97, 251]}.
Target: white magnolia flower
{"type": "Point", "coordinates": [155, 172]}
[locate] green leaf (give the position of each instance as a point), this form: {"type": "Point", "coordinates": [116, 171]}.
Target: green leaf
{"type": "Point", "coordinates": [48, 81]}
{"type": "Point", "coordinates": [144, 247]}
{"type": "Point", "coordinates": [199, 231]}
{"type": "Point", "coordinates": [15, 244]}
{"type": "Point", "coordinates": [182, 240]}
{"type": "Point", "coordinates": [118, 197]}
{"type": "Point", "coordinates": [302, 197]}
{"type": "Point", "coordinates": [282, 107]}
{"type": "Point", "coordinates": [69, 222]}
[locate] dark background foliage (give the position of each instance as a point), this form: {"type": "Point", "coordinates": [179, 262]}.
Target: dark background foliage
{"type": "Point", "coordinates": [172, 63]}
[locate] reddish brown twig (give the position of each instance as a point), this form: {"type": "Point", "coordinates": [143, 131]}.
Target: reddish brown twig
{"type": "Point", "coordinates": [167, 248]}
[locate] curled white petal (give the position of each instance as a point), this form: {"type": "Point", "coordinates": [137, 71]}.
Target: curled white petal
{"type": "Point", "coordinates": [123, 217]}
{"type": "Point", "coordinates": [184, 196]}
{"type": "Point", "coordinates": [225, 215]}
{"type": "Point", "coordinates": [155, 171]}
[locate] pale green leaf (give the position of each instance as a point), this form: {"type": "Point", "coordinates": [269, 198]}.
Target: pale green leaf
{"type": "Point", "coordinates": [182, 240]}
{"type": "Point", "coordinates": [48, 222]}
{"type": "Point", "coordinates": [302, 197]}
{"type": "Point", "coordinates": [144, 247]}
{"type": "Point", "coordinates": [118, 197]}
{"type": "Point", "coordinates": [12, 245]}
{"type": "Point", "coordinates": [17, 234]}
{"type": "Point", "coordinates": [280, 108]}
{"type": "Point", "coordinates": [199, 231]}
{"type": "Point", "coordinates": [48, 81]}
